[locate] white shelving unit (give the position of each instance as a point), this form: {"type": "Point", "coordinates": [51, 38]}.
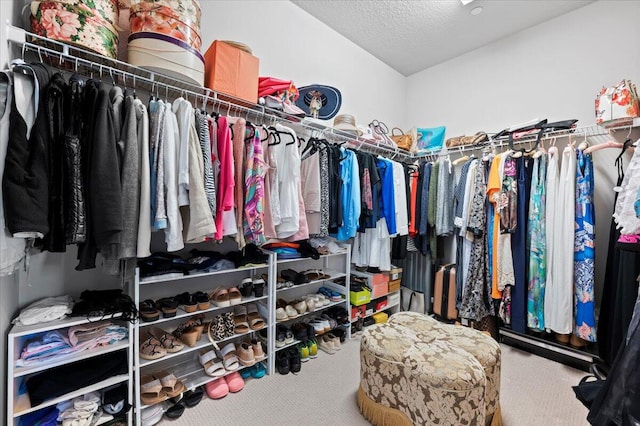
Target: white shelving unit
{"type": "Point", "coordinates": [19, 336]}
{"type": "Point", "coordinates": [336, 265]}
{"type": "Point", "coordinates": [185, 364]}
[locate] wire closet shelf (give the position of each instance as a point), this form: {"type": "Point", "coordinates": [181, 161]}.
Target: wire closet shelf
{"type": "Point", "coordinates": [71, 58]}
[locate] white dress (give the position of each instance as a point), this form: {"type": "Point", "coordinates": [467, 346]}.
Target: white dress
{"type": "Point", "coordinates": [558, 303]}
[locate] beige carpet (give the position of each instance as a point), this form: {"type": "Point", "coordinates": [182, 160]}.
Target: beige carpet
{"type": "Point", "coordinates": [534, 391]}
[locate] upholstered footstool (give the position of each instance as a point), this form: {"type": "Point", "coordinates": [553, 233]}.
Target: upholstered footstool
{"type": "Point", "coordinates": [404, 381]}
{"type": "Point", "coordinates": [484, 348]}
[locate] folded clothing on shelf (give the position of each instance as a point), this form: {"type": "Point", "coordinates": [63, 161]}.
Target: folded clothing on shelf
{"type": "Point", "coordinates": [68, 378]}
{"type": "Point", "coordinates": [103, 303]}
{"type": "Point", "coordinates": [286, 250]}
{"type": "Point", "coordinates": [45, 310]}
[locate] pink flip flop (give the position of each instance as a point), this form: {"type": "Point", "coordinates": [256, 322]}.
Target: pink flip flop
{"type": "Point", "coordinates": [217, 389]}
{"type": "Point", "coordinates": [235, 382]}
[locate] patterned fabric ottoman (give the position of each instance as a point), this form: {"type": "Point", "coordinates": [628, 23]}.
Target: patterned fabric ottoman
{"type": "Point", "coordinates": [484, 348]}
{"type": "Point", "coordinates": [405, 381]}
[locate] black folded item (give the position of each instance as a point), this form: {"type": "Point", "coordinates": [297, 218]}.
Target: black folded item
{"type": "Point", "coordinates": [559, 125]}
{"type": "Point", "coordinates": [250, 254]}
{"type": "Point", "coordinates": [307, 250]}
{"type": "Point", "coordinates": [58, 381]}
{"type": "Point", "coordinates": [114, 401]}
{"type": "Point", "coordinates": [105, 303]}
{"type": "Point", "coordinates": [162, 263]}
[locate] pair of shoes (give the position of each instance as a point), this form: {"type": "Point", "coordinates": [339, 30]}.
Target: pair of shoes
{"type": "Point", "coordinates": [284, 336]}
{"type": "Point", "coordinates": [329, 343]}
{"type": "Point", "coordinates": [223, 297]}
{"type": "Point", "coordinates": [171, 385]}
{"type": "Point", "coordinates": [222, 326]}
{"type": "Point", "coordinates": [320, 326]}
{"type": "Point", "coordinates": [190, 331]}
{"type": "Point", "coordinates": [168, 341]}
{"type": "Point", "coordinates": [333, 295]}
{"type": "Point", "coordinates": [249, 352]}
{"type": "Point", "coordinates": [285, 311]}
{"type": "Point", "coordinates": [254, 286]}
{"type": "Point", "coordinates": [221, 387]}
{"type": "Point", "coordinates": [149, 311]}
{"type": "Point", "coordinates": [295, 277]}
{"type": "Point", "coordinates": [168, 306]}
{"type": "Point", "coordinates": [191, 302]}
{"type": "Point", "coordinates": [257, 371]}
{"type": "Point", "coordinates": [247, 318]}
{"type": "Point", "coordinates": [288, 360]}
{"type": "Point", "coordinates": [316, 275]}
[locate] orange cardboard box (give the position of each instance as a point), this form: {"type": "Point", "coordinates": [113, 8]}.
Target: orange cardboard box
{"type": "Point", "coordinates": [231, 71]}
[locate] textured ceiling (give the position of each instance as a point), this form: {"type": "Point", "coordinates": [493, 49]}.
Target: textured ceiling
{"type": "Point", "coordinates": [411, 35]}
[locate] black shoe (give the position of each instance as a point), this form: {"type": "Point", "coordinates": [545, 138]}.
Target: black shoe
{"type": "Point", "coordinates": [300, 331]}
{"type": "Point", "coordinates": [295, 363]}
{"type": "Point", "coordinates": [192, 398]}
{"type": "Point", "coordinates": [175, 411]}
{"type": "Point", "coordinates": [281, 333]}
{"type": "Point", "coordinates": [282, 362]}
{"type": "Point", "coordinates": [341, 333]}
{"type": "Point", "coordinates": [288, 335]}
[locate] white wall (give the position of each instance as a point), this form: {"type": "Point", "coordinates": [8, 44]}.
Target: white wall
{"type": "Point", "coordinates": [552, 70]}
{"type": "Point", "coordinates": [292, 44]}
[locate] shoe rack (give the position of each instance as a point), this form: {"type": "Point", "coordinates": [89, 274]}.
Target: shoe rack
{"type": "Point", "coordinates": [18, 336]}
{"type": "Point", "coordinates": [337, 265]}
{"type": "Point", "coordinates": [185, 364]}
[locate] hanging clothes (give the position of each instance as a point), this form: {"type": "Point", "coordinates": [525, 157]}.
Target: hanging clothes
{"type": "Point", "coordinates": [536, 241]}
{"type": "Point", "coordinates": [271, 192]}
{"type": "Point", "coordinates": [184, 112]}
{"type": "Point", "coordinates": [350, 175]}
{"type": "Point", "coordinates": [584, 256]}
{"type": "Point", "coordinates": [225, 200]}
{"type": "Point", "coordinates": [173, 232]}
{"type": "Point", "coordinates": [254, 189]}
{"type": "Point", "coordinates": [288, 158]}
{"type": "Point", "coordinates": [143, 245]}
{"type": "Point", "coordinates": [204, 137]}
{"type": "Point", "coordinates": [558, 308]}
{"type": "Point", "coordinates": [11, 249]}
{"type": "Point", "coordinates": [494, 185]}
{"type": "Point", "coordinates": [238, 126]}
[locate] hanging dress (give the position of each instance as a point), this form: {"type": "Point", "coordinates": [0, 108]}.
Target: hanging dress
{"type": "Point", "coordinates": [558, 308]}
{"type": "Point", "coordinates": [536, 241]}
{"type": "Point", "coordinates": [584, 255]}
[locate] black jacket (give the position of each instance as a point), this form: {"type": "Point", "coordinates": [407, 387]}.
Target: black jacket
{"type": "Point", "coordinates": [25, 182]}
{"type": "Point", "coordinates": [101, 174]}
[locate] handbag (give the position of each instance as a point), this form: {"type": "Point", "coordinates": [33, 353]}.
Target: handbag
{"type": "Point", "coordinates": [403, 140]}
{"type": "Point", "coordinates": [412, 300]}
{"type": "Point", "coordinates": [429, 139]}
{"type": "Point", "coordinates": [617, 103]}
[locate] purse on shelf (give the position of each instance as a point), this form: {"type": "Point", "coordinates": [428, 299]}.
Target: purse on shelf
{"type": "Point", "coordinates": [429, 139]}
{"type": "Point", "coordinates": [403, 140]}
{"type": "Point", "coordinates": [617, 103]}
{"type": "Point", "coordinates": [380, 134]}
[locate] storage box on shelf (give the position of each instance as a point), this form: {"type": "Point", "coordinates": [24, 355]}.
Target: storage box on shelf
{"type": "Point", "coordinates": [18, 404]}
{"type": "Point", "coordinates": [185, 363]}
{"type": "Point", "coordinates": [231, 70]}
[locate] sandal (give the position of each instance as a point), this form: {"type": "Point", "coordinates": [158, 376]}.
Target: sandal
{"type": "Point", "coordinates": [168, 306]}
{"type": "Point", "coordinates": [316, 275]}
{"type": "Point", "coordinates": [203, 300]}
{"type": "Point", "coordinates": [211, 363]}
{"type": "Point", "coordinates": [191, 331]}
{"type": "Point", "coordinates": [175, 411]}
{"type": "Point", "coordinates": [151, 391]}
{"type": "Point", "coordinates": [168, 341]}
{"type": "Point", "coordinates": [229, 358]}
{"type": "Point", "coordinates": [293, 276]}
{"type": "Point", "coordinates": [171, 385]}
{"type": "Point", "coordinates": [149, 311]}
{"type": "Point", "coordinates": [229, 324]}
{"type": "Point", "coordinates": [235, 297]}
{"type": "Point", "coordinates": [246, 287]}
{"type": "Point", "coordinates": [220, 297]}
{"type": "Point", "coordinates": [151, 348]}
{"type": "Point", "coordinates": [256, 322]}
{"type": "Point", "coordinates": [187, 302]}
{"type": "Point", "coordinates": [193, 397]}
{"type": "Point", "coordinates": [217, 329]}
{"type": "Point", "coordinates": [241, 324]}
{"type": "Point", "coordinates": [258, 287]}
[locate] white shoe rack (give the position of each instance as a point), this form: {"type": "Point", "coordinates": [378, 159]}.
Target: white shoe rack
{"type": "Point", "coordinates": [16, 376]}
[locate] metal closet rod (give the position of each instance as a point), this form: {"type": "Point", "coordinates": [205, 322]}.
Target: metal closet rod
{"type": "Point", "coordinates": [155, 84]}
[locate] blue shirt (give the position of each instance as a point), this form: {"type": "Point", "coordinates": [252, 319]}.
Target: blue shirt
{"type": "Point", "coordinates": [351, 202]}
{"type": "Point", "coordinates": [387, 199]}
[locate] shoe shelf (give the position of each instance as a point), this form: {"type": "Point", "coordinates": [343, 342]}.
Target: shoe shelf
{"type": "Point", "coordinates": [78, 356]}
{"type": "Point", "coordinates": [375, 312]}
{"type": "Point", "coordinates": [183, 314]}
{"type": "Point", "coordinates": [333, 275]}
{"type": "Point", "coordinates": [202, 343]}
{"type": "Point", "coordinates": [318, 309]}
{"type": "Point", "coordinates": [161, 279]}
{"type": "Point", "coordinates": [111, 381]}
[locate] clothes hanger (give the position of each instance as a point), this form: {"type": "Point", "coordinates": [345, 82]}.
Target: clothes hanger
{"type": "Point", "coordinates": [461, 160]}
{"type": "Point", "coordinates": [584, 144]}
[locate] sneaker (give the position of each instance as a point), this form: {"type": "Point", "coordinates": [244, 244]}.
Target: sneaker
{"type": "Point", "coordinates": [282, 362]}
{"type": "Point", "coordinates": [288, 335]}
{"type": "Point", "coordinates": [295, 364]}
{"type": "Point", "coordinates": [318, 327]}
{"type": "Point", "coordinates": [341, 333]}
{"type": "Point", "coordinates": [326, 344]}
{"type": "Point", "coordinates": [303, 351]}
{"type": "Point", "coordinates": [280, 336]}
{"type": "Point", "coordinates": [313, 348]}
{"type": "Point", "coordinates": [300, 331]}
{"type": "Point", "coordinates": [335, 340]}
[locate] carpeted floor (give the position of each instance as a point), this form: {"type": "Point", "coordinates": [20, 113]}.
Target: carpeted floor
{"type": "Point", "coordinates": [534, 391]}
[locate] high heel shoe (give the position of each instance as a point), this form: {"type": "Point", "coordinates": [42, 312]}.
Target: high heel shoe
{"type": "Point", "coordinates": [191, 331]}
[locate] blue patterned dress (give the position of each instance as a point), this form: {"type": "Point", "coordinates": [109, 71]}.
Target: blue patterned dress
{"type": "Point", "coordinates": [536, 241]}
{"type": "Point", "coordinates": [584, 251]}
